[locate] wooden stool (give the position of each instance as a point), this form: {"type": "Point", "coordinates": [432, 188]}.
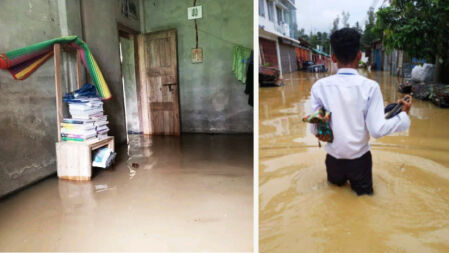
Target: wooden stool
{"type": "Point", "coordinates": [74, 159]}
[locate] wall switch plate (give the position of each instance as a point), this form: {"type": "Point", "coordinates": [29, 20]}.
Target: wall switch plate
{"type": "Point", "coordinates": [194, 12]}
{"type": "Point", "coordinates": [197, 55]}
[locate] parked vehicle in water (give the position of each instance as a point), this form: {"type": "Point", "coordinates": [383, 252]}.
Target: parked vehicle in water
{"type": "Point", "coordinates": [317, 68]}
{"type": "Point", "coordinates": [306, 64]}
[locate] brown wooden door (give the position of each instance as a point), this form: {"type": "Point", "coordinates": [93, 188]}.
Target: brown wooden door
{"type": "Point", "coordinates": [158, 69]}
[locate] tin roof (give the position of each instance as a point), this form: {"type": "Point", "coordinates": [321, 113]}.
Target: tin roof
{"type": "Point", "coordinates": [320, 52]}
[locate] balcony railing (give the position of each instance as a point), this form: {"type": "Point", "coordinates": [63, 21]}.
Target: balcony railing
{"type": "Point", "coordinates": [283, 29]}
{"type": "Point", "coordinates": [289, 3]}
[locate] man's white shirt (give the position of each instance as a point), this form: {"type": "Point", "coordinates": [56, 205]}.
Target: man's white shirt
{"type": "Point", "coordinates": [357, 109]}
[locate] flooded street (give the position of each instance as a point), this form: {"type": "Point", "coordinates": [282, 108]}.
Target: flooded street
{"type": "Point", "coordinates": [409, 211]}
{"type": "Point", "coordinates": [193, 192]}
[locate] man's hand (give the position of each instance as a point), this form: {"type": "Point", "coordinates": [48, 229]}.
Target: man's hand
{"type": "Point", "coordinates": [406, 105]}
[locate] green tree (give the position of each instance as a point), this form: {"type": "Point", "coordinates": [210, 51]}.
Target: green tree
{"type": "Point", "coordinates": [345, 19]}
{"type": "Point", "coordinates": [302, 33]}
{"type": "Point", "coordinates": [319, 38]}
{"type": "Point", "coordinates": [358, 28]}
{"type": "Point", "coordinates": [369, 34]}
{"type": "Point", "coordinates": [420, 28]}
{"type": "Point", "coordinates": [335, 24]}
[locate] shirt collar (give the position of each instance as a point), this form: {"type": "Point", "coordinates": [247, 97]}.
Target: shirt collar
{"type": "Point", "coordinates": [347, 71]}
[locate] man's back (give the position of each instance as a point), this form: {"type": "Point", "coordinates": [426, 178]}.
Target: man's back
{"type": "Point", "coordinates": [357, 111]}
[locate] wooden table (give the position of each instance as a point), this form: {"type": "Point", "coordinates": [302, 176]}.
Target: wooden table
{"type": "Point", "coordinates": [74, 159]}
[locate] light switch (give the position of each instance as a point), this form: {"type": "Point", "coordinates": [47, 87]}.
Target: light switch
{"type": "Point", "coordinates": [194, 12]}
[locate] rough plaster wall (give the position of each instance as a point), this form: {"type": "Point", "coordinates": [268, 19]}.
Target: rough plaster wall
{"type": "Point", "coordinates": [128, 22]}
{"type": "Point", "coordinates": [100, 20]}
{"type": "Point", "coordinates": [27, 108]}
{"type": "Point", "coordinates": [211, 98]}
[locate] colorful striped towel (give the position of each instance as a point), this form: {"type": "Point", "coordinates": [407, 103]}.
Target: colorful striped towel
{"type": "Point", "coordinates": [24, 61]}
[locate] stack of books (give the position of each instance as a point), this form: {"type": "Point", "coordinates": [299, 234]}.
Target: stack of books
{"type": "Point", "coordinates": [87, 121]}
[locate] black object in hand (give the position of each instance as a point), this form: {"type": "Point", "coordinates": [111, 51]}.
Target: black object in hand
{"type": "Point", "coordinates": [394, 109]}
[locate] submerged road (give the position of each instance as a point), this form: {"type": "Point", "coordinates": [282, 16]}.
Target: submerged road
{"type": "Point", "coordinates": [300, 211]}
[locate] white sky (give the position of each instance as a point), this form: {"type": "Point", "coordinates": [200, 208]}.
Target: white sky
{"type": "Point", "coordinates": [318, 15]}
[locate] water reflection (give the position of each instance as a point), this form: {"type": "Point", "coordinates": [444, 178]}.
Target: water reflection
{"type": "Point", "coordinates": [300, 210]}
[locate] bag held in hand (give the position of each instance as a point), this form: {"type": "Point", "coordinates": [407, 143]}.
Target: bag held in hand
{"type": "Point", "coordinates": [322, 120]}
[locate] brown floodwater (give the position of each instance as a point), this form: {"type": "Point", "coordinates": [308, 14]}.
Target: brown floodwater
{"type": "Point", "coordinates": [300, 211]}
{"type": "Point", "coordinates": [188, 193]}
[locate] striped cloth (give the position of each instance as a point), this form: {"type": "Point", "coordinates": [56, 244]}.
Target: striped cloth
{"type": "Point", "coordinates": [24, 61]}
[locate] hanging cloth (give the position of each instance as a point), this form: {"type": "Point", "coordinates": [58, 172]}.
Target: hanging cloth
{"type": "Point", "coordinates": [250, 81]}
{"type": "Point", "coordinates": [24, 61]}
{"type": "Point", "coordinates": [240, 61]}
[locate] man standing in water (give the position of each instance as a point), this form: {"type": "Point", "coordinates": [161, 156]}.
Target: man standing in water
{"type": "Point", "coordinates": [357, 109]}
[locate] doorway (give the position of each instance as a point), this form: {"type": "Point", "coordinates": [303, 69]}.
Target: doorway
{"type": "Point", "coordinates": [128, 45]}
{"type": "Point", "coordinates": [149, 66]}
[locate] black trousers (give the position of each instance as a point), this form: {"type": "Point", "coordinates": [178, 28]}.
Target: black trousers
{"type": "Point", "coordinates": [358, 171]}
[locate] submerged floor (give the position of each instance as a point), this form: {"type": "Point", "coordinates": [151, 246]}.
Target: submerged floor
{"type": "Point", "coordinates": [409, 211]}
{"type": "Point", "coordinates": [188, 193]}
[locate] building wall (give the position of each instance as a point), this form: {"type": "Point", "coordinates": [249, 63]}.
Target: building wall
{"type": "Point", "coordinates": [212, 100]}
{"type": "Point", "coordinates": [27, 108]}
{"type": "Point", "coordinates": [288, 15]}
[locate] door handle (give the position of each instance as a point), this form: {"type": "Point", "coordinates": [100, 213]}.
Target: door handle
{"type": "Point", "coordinates": [169, 85]}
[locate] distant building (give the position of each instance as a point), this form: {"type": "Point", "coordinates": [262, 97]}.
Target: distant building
{"type": "Point", "coordinates": [395, 61]}
{"type": "Point", "coordinates": [306, 53]}
{"type": "Point", "coordinates": [277, 28]}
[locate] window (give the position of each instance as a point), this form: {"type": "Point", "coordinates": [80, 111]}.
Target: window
{"type": "Point", "coordinates": [279, 14]}
{"type": "Point", "coordinates": [270, 10]}
{"type": "Point", "coordinates": [287, 17]}
{"type": "Point", "coordinates": [262, 8]}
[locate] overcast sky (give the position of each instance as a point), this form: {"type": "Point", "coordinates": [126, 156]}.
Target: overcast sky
{"type": "Point", "coordinates": [318, 15]}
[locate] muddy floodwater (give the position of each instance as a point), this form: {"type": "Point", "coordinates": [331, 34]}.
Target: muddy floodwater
{"type": "Point", "coordinates": [300, 211]}
{"type": "Point", "coordinates": [164, 193]}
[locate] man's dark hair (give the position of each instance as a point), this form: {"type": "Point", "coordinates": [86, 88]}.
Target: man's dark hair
{"type": "Point", "coordinates": [345, 44]}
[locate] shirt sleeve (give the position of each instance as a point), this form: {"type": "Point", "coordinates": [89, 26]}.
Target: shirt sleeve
{"type": "Point", "coordinates": [315, 104]}
{"type": "Point", "coordinates": [376, 123]}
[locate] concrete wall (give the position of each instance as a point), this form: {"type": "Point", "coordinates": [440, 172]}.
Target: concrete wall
{"type": "Point", "coordinates": [27, 108]}
{"type": "Point", "coordinates": [211, 98]}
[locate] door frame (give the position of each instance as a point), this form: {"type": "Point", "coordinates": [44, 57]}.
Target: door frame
{"type": "Point", "coordinates": [124, 31]}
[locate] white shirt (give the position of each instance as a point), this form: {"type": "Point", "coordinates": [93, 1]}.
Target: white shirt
{"type": "Point", "coordinates": [357, 109]}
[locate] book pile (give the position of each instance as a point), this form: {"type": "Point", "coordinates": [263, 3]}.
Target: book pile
{"type": "Point", "coordinates": [87, 122]}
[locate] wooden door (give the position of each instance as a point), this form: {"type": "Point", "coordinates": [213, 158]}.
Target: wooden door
{"type": "Point", "coordinates": [158, 69]}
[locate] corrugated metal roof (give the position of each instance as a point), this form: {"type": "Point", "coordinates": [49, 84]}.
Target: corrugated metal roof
{"type": "Point", "coordinates": [320, 52]}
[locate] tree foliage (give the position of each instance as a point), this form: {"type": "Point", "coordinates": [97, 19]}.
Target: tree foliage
{"type": "Point", "coordinates": [335, 24]}
{"type": "Point", "coordinates": [369, 34]}
{"type": "Point", "coordinates": [317, 39]}
{"type": "Point", "coordinates": [419, 27]}
{"type": "Point", "coordinates": [345, 19]}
